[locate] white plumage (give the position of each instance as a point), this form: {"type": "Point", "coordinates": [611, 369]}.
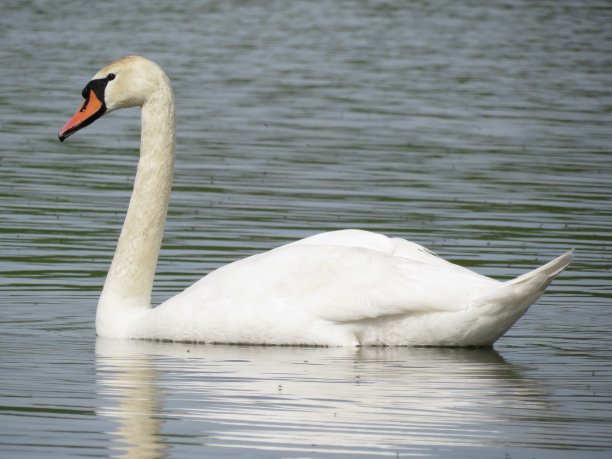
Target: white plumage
{"type": "Point", "coordinates": [342, 288]}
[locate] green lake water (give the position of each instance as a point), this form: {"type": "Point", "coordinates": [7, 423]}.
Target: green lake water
{"type": "Point", "coordinates": [482, 130]}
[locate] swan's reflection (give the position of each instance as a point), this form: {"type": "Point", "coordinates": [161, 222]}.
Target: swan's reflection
{"type": "Point", "coordinates": [129, 394]}
{"type": "Point", "coordinates": [332, 400]}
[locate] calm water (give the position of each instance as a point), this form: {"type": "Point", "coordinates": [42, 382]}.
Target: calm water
{"type": "Point", "coordinates": [483, 131]}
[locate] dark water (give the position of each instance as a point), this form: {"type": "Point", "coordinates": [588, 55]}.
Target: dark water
{"type": "Point", "coordinates": [480, 130]}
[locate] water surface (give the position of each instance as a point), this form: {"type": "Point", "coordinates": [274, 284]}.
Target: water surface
{"type": "Point", "coordinates": [479, 130]}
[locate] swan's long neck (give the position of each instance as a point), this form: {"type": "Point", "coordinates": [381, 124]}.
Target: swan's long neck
{"type": "Point", "coordinates": [129, 281]}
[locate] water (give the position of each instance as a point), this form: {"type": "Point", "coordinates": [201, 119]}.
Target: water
{"type": "Point", "coordinates": [479, 130]}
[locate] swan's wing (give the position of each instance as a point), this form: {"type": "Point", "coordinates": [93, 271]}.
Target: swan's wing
{"type": "Point", "coordinates": [337, 280]}
{"type": "Point", "coordinates": [396, 247]}
{"type": "Point", "coordinates": [363, 239]}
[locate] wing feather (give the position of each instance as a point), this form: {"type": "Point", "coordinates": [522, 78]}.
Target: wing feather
{"type": "Point", "coordinates": [347, 276]}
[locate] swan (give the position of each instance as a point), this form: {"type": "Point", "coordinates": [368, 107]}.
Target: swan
{"type": "Point", "coordinates": [339, 288]}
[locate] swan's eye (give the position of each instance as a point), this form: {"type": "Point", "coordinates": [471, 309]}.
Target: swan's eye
{"type": "Point", "coordinates": [110, 77]}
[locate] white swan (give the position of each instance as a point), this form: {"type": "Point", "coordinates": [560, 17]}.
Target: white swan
{"type": "Point", "coordinates": [342, 288]}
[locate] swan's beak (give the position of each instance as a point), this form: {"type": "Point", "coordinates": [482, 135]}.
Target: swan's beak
{"type": "Point", "coordinates": [92, 109]}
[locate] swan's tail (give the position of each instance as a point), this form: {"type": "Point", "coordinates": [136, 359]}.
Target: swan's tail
{"type": "Point", "coordinates": [526, 289]}
{"type": "Point", "coordinates": [507, 303]}
{"type": "Point", "coordinates": [540, 278]}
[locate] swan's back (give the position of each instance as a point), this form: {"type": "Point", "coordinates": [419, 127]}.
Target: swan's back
{"type": "Point", "coordinates": [342, 288]}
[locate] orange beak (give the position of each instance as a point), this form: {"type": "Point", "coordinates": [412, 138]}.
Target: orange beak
{"type": "Point", "coordinates": [92, 109]}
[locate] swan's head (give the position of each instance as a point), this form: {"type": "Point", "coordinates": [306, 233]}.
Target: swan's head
{"type": "Point", "coordinates": [126, 82]}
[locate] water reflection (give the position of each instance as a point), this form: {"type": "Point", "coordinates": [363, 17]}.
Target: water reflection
{"type": "Point", "coordinates": [337, 401]}
{"type": "Point", "coordinates": [130, 396]}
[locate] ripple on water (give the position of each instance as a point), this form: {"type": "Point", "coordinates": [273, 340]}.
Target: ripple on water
{"type": "Point", "coordinates": [479, 130]}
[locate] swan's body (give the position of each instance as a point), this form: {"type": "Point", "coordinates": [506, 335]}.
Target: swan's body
{"type": "Point", "coordinates": [342, 288]}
